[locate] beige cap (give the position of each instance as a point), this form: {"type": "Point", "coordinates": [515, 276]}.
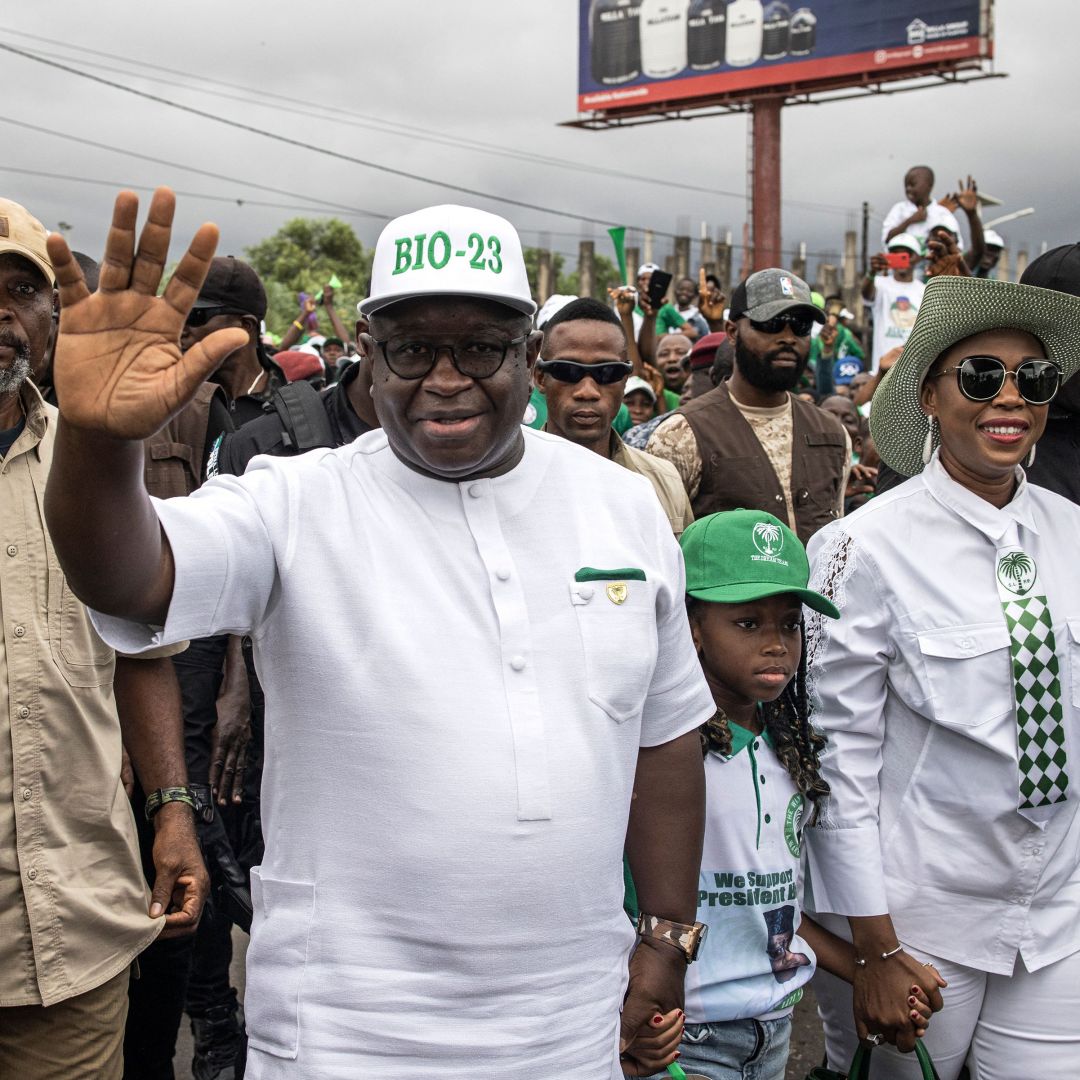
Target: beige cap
{"type": "Point", "coordinates": [22, 233]}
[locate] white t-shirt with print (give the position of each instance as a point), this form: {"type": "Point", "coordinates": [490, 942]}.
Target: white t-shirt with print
{"type": "Point", "coordinates": [748, 891]}
{"type": "Point", "coordinates": [453, 722]}
{"type": "Point", "coordinates": [895, 305]}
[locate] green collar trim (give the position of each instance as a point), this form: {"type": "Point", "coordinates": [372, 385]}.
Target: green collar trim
{"type": "Point", "coordinates": [742, 737]}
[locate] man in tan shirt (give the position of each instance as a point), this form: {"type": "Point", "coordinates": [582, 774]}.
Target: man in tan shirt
{"type": "Point", "coordinates": [582, 372]}
{"type": "Point", "coordinates": [74, 906]}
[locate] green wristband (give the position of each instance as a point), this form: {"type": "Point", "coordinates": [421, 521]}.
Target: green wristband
{"type": "Point", "coordinates": [159, 798]}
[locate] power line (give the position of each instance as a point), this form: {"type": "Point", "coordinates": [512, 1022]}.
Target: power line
{"type": "Point", "coordinates": [309, 147]}
{"type": "Point", "coordinates": [194, 169]}
{"type": "Point", "coordinates": [396, 128]}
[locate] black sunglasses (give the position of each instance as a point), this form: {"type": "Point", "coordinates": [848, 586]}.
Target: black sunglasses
{"type": "Point", "coordinates": [570, 371]}
{"type": "Point", "coordinates": [981, 378]}
{"type": "Point", "coordinates": [800, 324]}
{"type": "Point", "coordinates": [202, 315]}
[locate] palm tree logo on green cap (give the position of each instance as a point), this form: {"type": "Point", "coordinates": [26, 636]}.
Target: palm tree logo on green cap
{"type": "Point", "coordinates": [768, 539]}
{"type": "Point", "coordinates": [1016, 572]}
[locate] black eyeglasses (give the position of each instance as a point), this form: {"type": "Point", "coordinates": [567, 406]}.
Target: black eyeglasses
{"type": "Point", "coordinates": [570, 371]}
{"type": "Point", "coordinates": [202, 315]}
{"type": "Point", "coordinates": [478, 359]}
{"type": "Point", "coordinates": [981, 378]}
{"type": "Point", "coordinates": [800, 324]}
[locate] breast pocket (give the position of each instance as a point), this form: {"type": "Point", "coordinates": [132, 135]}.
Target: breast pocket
{"type": "Point", "coordinates": [81, 656]}
{"type": "Point", "coordinates": [276, 958]}
{"type": "Point", "coordinates": [617, 623]}
{"type": "Point", "coordinates": [1074, 661]}
{"type": "Point", "coordinates": [968, 671]}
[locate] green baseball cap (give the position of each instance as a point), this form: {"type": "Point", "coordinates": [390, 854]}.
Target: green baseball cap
{"type": "Point", "coordinates": [741, 555]}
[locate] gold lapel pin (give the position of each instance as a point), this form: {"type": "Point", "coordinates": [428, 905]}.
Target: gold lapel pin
{"type": "Point", "coordinates": [617, 592]}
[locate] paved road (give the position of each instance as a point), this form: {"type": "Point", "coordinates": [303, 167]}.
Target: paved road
{"type": "Point", "coordinates": [807, 1045]}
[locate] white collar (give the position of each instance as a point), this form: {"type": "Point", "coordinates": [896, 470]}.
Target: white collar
{"type": "Point", "coordinates": [975, 510]}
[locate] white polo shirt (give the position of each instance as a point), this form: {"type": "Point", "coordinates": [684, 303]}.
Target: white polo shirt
{"type": "Point", "coordinates": [749, 888]}
{"type": "Point", "coordinates": [452, 731]}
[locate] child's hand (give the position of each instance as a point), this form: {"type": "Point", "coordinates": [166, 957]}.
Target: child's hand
{"type": "Point", "coordinates": [650, 1053]}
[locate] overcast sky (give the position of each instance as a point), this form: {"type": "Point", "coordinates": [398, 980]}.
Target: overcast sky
{"type": "Point", "coordinates": [500, 73]}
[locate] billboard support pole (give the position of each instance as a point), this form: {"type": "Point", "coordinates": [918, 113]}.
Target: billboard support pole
{"type": "Point", "coordinates": [766, 181]}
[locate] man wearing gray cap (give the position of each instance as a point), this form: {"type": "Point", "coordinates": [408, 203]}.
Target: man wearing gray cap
{"type": "Point", "coordinates": [750, 442]}
{"type": "Point", "coordinates": [479, 676]}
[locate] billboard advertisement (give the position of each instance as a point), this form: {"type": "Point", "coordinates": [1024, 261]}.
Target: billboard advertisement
{"type": "Point", "coordinates": [634, 53]}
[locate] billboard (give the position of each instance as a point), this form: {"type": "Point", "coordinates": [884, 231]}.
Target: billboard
{"type": "Point", "coordinates": [634, 53]}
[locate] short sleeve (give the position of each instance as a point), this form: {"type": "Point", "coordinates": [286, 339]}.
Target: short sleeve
{"type": "Point", "coordinates": [225, 559]}
{"type": "Point", "coordinates": [679, 699]}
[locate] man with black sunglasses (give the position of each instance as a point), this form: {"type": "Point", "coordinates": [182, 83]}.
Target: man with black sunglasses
{"type": "Point", "coordinates": [751, 443]}
{"type": "Point", "coordinates": [582, 373]}
{"type": "Point", "coordinates": [233, 295]}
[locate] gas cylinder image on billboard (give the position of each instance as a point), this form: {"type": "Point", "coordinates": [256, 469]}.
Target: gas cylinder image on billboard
{"type": "Point", "coordinates": [745, 20]}
{"type": "Point", "coordinates": [663, 38]}
{"type": "Point", "coordinates": [776, 31]}
{"type": "Point", "coordinates": [803, 32]}
{"type": "Point", "coordinates": [615, 40]}
{"type": "Point", "coordinates": [706, 33]}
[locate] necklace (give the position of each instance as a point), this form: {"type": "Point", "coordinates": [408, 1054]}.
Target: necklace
{"type": "Point", "coordinates": [258, 379]}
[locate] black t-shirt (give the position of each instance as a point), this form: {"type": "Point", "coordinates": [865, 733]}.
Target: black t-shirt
{"type": "Point", "coordinates": [264, 434]}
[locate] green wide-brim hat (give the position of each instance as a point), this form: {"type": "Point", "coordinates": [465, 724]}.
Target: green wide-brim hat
{"type": "Point", "coordinates": [738, 556]}
{"type": "Point", "coordinates": [954, 308]}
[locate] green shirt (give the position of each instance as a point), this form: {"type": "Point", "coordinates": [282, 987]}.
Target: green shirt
{"type": "Point", "coordinates": [667, 318]}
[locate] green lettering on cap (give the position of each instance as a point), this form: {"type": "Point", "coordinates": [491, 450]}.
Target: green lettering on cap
{"type": "Point", "coordinates": [419, 238]}
{"type": "Point", "coordinates": [436, 261]}
{"type": "Point", "coordinates": [403, 261]}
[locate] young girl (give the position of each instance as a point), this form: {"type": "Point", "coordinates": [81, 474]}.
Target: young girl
{"type": "Point", "coordinates": [746, 583]}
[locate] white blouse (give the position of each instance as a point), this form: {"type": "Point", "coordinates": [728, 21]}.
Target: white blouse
{"type": "Point", "coordinates": [913, 687]}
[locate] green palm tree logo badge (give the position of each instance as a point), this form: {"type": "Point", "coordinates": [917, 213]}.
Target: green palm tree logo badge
{"type": "Point", "coordinates": [1016, 571]}
{"type": "Point", "coordinates": [768, 539]}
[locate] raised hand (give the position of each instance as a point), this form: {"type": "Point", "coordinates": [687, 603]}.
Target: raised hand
{"type": "Point", "coordinates": [967, 198]}
{"type": "Point", "coordinates": [625, 298]}
{"type": "Point", "coordinates": [711, 300]}
{"type": "Point", "coordinates": [118, 368]}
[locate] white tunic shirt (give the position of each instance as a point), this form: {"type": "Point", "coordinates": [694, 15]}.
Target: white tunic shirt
{"type": "Point", "coordinates": [452, 731]}
{"type": "Point", "coordinates": [913, 686]}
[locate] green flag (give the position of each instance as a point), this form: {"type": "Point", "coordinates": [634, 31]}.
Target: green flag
{"type": "Point", "coordinates": [618, 238]}
{"type": "Point", "coordinates": [334, 283]}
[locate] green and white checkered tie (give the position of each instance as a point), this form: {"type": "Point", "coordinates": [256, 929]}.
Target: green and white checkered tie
{"type": "Point", "coordinates": [1044, 782]}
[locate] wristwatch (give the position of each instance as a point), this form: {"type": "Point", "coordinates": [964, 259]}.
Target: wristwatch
{"type": "Point", "coordinates": [688, 939]}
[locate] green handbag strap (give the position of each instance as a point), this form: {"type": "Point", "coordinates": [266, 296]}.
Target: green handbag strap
{"type": "Point", "coordinates": [860, 1063]}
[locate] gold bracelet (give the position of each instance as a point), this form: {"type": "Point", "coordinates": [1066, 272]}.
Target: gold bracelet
{"type": "Point", "coordinates": [298, 324]}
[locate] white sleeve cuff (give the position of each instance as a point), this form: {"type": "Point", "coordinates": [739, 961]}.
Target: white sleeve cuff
{"type": "Point", "coordinates": [846, 873]}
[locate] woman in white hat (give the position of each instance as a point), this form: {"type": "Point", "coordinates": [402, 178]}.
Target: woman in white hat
{"type": "Point", "coordinates": [950, 694]}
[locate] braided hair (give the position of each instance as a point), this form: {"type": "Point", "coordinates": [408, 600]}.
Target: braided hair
{"type": "Point", "coordinates": [797, 742]}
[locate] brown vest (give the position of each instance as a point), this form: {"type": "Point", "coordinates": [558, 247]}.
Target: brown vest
{"type": "Point", "coordinates": [174, 456]}
{"type": "Point", "coordinates": [736, 472]}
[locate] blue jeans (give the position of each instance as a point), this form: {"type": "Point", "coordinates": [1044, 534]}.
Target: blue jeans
{"type": "Point", "coordinates": [735, 1050]}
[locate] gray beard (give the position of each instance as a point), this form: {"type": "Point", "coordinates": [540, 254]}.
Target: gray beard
{"type": "Point", "coordinates": [12, 378]}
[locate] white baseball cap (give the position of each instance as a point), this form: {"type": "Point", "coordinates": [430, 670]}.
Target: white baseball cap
{"type": "Point", "coordinates": [993, 239]}
{"type": "Point", "coordinates": [905, 240]}
{"type": "Point", "coordinates": [449, 251]}
{"type": "Point", "coordinates": [647, 268]}
{"type": "Point", "coordinates": [636, 382]}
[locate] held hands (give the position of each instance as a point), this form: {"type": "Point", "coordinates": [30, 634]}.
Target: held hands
{"type": "Point", "coordinates": [895, 998]}
{"type": "Point", "coordinates": [652, 1017]}
{"type": "Point", "coordinates": [119, 369]}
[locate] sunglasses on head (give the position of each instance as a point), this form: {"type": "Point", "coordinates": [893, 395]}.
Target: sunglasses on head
{"type": "Point", "coordinates": [570, 371]}
{"type": "Point", "coordinates": [981, 378]}
{"type": "Point", "coordinates": [201, 316]}
{"type": "Point", "coordinates": [800, 324]}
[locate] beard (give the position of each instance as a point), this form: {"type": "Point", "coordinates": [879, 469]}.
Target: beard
{"type": "Point", "coordinates": [759, 372]}
{"type": "Point", "coordinates": [12, 377]}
